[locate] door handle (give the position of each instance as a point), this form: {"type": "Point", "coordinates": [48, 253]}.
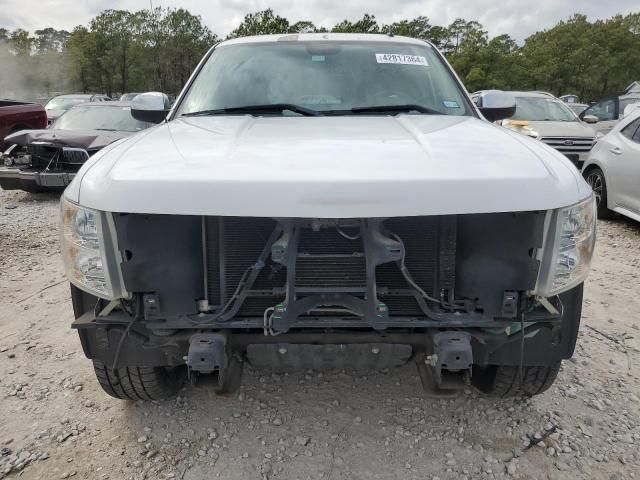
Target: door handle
{"type": "Point", "coordinates": [616, 150]}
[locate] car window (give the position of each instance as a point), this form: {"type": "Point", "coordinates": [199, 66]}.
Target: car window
{"type": "Point", "coordinates": [541, 109]}
{"type": "Point", "coordinates": [64, 103]}
{"type": "Point", "coordinates": [605, 110]}
{"type": "Point", "coordinates": [99, 118]}
{"type": "Point", "coordinates": [327, 77]}
{"type": "Point", "coordinates": [577, 108]}
{"type": "Point", "coordinates": [632, 131]}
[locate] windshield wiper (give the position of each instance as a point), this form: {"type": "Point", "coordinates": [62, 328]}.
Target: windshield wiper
{"type": "Point", "coordinates": [268, 108]}
{"type": "Point", "coordinates": [396, 109]}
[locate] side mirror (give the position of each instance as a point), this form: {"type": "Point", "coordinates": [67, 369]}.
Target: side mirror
{"type": "Point", "coordinates": [151, 107]}
{"type": "Point", "coordinates": [496, 104]}
{"type": "Point", "coordinates": [590, 119]}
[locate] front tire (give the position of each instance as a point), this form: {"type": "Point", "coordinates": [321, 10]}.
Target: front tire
{"type": "Point", "coordinates": [504, 381]}
{"type": "Point", "coordinates": [595, 178]}
{"type": "Point", "coordinates": [140, 383]}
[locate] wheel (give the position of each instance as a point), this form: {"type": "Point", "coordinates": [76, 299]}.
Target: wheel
{"type": "Point", "coordinates": [140, 383]}
{"type": "Point", "coordinates": [231, 380]}
{"type": "Point", "coordinates": [504, 381]}
{"type": "Point", "coordinates": [595, 178]}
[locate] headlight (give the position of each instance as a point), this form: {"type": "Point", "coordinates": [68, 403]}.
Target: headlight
{"type": "Point", "coordinates": [84, 251]}
{"type": "Point", "coordinates": [521, 126]}
{"type": "Point", "coordinates": [567, 256]}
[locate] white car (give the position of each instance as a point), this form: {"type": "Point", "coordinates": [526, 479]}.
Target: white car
{"type": "Point", "coordinates": [613, 169]}
{"type": "Point", "coordinates": [327, 200]}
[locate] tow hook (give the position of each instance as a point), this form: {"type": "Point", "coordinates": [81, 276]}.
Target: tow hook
{"type": "Point", "coordinates": [446, 370]}
{"type": "Point", "coordinates": [210, 362]}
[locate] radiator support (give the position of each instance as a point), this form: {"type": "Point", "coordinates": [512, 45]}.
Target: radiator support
{"type": "Point", "coordinates": [285, 270]}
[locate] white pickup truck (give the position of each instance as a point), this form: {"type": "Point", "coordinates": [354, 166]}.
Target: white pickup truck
{"type": "Point", "coordinates": [327, 200]}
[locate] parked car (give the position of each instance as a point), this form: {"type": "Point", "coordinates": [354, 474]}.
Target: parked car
{"type": "Point", "coordinates": [542, 116]}
{"type": "Point", "coordinates": [327, 200]}
{"type": "Point", "coordinates": [61, 103]}
{"type": "Point", "coordinates": [573, 102]}
{"type": "Point", "coordinates": [578, 108]}
{"type": "Point", "coordinates": [613, 169]}
{"type": "Point", "coordinates": [100, 98]}
{"type": "Point", "coordinates": [610, 111]}
{"type": "Point", "coordinates": [570, 98]}
{"type": "Point", "coordinates": [49, 158]}
{"type": "Point", "coordinates": [127, 97]}
{"type": "Point", "coordinates": [16, 116]}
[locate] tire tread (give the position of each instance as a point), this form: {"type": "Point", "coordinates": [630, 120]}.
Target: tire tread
{"type": "Point", "coordinates": [503, 381]}
{"type": "Point", "coordinates": [137, 382]}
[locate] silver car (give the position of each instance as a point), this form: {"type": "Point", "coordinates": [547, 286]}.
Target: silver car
{"type": "Point", "coordinates": [541, 115]}
{"type": "Point", "coordinates": [613, 169]}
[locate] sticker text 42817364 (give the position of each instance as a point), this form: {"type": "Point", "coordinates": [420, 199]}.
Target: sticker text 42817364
{"type": "Point", "coordinates": [401, 59]}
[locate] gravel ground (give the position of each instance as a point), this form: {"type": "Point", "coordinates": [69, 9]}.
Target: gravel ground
{"type": "Point", "coordinates": [56, 422]}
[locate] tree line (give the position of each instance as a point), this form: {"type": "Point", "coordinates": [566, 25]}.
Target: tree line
{"type": "Point", "coordinates": [120, 51]}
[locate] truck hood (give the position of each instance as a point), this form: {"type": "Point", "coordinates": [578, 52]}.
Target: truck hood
{"type": "Point", "coordinates": [327, 167]}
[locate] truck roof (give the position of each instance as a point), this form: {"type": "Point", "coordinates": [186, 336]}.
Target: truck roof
{"type": "Point", "coordinates": [325, 37]}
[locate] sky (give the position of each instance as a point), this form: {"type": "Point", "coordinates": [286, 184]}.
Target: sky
{"type": "Point", "coordinates": [518, 18]}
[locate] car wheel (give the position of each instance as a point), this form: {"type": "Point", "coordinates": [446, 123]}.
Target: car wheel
{"type": "Point", "coordinates": [140, 383]}
{"type": "Point", "coordinates": [595, 178]}
{"type": "Point", "coordinates": [504, 381]}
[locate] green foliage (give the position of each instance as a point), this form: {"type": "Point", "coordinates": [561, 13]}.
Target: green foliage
{"type": "Point", "coordinates": [419, 27]}
{"type": "Point", "coordinates": [261, 23]}
{"type": "Point", "coordinates": [367, 24]}
{"type": "Point", "coordinates": [158, 49]}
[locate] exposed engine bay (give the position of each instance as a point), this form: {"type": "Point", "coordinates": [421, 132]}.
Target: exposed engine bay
{"type": "Point", "coordinates": [46, 158]}
{"type": "Point", "coordinates": [334, 272]}
{"type": "Point", "coordinates": [37, 160]}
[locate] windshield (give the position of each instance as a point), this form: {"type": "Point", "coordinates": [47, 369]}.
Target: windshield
{"type": "Point", "coordinates": [326, 77]}
{"type": "Point", "coordinates": [577, 108]}
{"type": "Point", "coordinates": [541, 109]}
{"type": "Point", "coordinates": [99, 118]}
{"type": "Point", "coordinates": [64, 103]}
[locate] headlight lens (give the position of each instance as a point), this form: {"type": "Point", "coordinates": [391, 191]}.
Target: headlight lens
{"type": "Point", "coordinates": [83, 250]}
{"type": "Point", "coordinates": [566, 262]}
{"type": "Point", "coordinates": [521, 126]}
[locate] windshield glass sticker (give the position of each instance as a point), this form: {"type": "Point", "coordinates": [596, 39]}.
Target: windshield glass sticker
{"type": "Point", "coordinates": [450, 104]}
{"type": "Point", "coordinates": [399, 59]}
{"type": "Point", "coordinates": [317, 58]}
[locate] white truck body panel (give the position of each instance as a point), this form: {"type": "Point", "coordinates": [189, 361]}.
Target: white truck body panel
{"type": "Point", "coordinates": [327, 167]}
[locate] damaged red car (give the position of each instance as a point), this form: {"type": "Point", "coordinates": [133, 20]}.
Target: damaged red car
{"type": "Point", "coordinates": [48, 159]}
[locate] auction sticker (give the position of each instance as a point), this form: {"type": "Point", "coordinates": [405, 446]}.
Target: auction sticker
{"type": "Point", "coordinates": [400, 59]}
